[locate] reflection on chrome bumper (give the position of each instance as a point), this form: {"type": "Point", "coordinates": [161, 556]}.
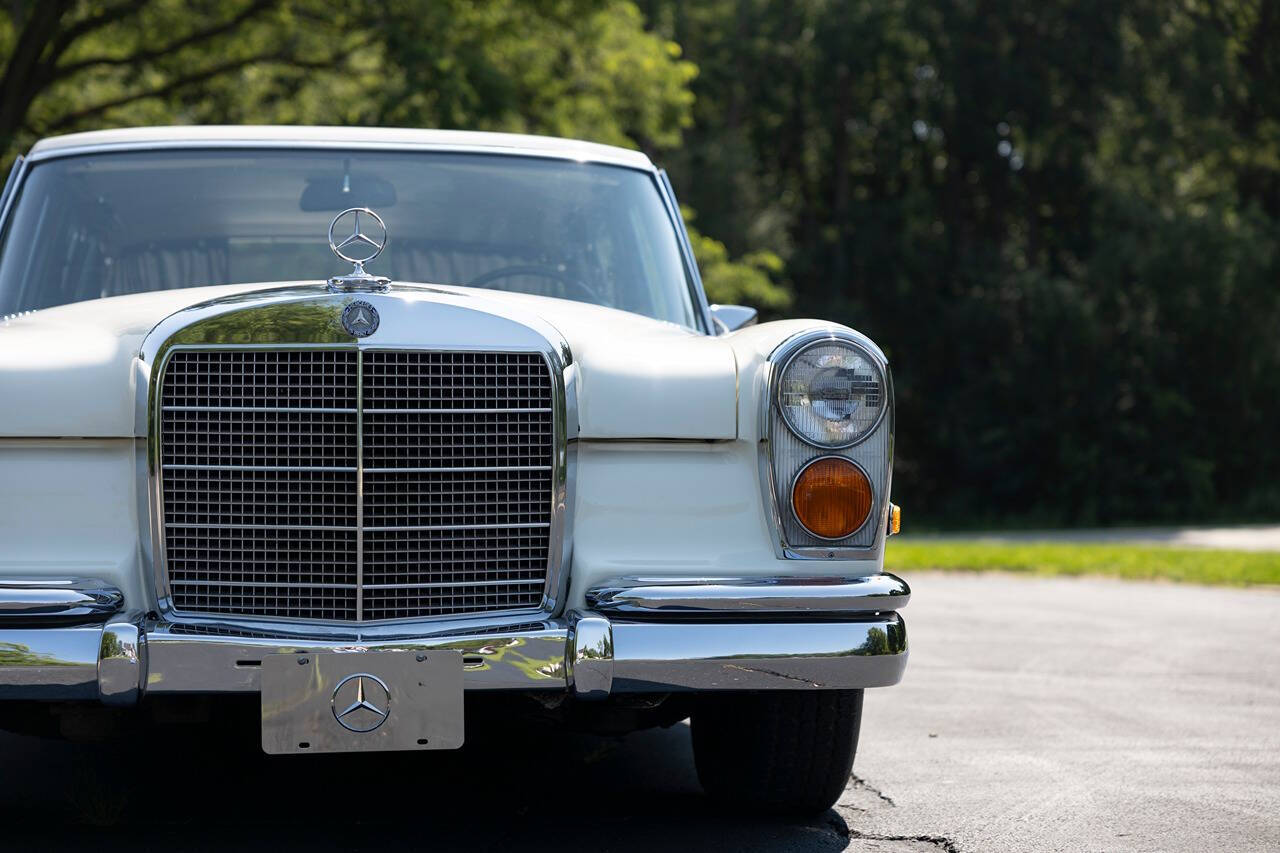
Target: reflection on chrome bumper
{"type": "Point", "coordinates": [750, 598]}
{"type": "Point", "coordinates": [653, 657]}
{"type": "Point", "coordinates": [768, 643]}
{"type": "Point", "coordinates": [57, 600]}
{"type": "Point", "coordinates": [53, 641]}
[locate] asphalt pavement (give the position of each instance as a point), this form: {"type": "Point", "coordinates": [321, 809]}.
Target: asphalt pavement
{"type": "Point", "coordinates": [1078, 714]}
{"type": "Point", "coordinates": [1036, 714]}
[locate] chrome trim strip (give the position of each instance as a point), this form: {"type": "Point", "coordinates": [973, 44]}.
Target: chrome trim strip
{"type": "Point", "coordinates": [521, 525]}
{"type": "Point", "coordinates": [355, 586]}
{"type": "Point", "coordinates": [360, 472]}
{"type": "Point", "coordinates": [53, 600]}
{"type": "Point", "coordinates": [748, 598]}
{"type": "Point", "coordinates": [348, 469]}
{"type": "Point", "coordinates": [297, 630]}
{"type": "Point", "coordinates": [653, 439]}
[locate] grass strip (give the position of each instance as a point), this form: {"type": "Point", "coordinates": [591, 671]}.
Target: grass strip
{"type": "Point", "coordinates": [1138, 562]}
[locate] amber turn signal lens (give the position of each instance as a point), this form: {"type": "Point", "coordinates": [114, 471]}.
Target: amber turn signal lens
{"type": "Point", "coordinates": [831, 497]}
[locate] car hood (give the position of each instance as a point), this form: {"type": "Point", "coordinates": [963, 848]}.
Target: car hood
{"type": "Point", "coordinates": [70, 371]}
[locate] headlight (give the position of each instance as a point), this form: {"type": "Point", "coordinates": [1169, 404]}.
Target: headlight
{"type": "Point", "coordinates": [831, 394]}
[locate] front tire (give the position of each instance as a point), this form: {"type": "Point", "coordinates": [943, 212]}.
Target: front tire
{"type": "Point", "coordinates": [784, 752]}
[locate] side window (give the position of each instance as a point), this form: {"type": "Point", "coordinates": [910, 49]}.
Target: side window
{"type": "Point", "coordinates": [649, 266]}
{"type": "Point", "coordinates": [57, 251]}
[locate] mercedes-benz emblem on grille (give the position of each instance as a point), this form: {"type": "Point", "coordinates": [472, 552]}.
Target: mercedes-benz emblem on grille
{"type": "Point", "coordinates": [358, 247]}
{"type": "Point", "coordinates": [361, 702]}
{"type": "Point", "coordinates": [360, 319]}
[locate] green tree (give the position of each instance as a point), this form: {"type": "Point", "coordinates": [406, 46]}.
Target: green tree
{"type": "Point", "coordinates": [585, 68]}
{"type": "Point", "coordinates": [72, 64]}
{"type": "Point", "coordinates": [751, 280]}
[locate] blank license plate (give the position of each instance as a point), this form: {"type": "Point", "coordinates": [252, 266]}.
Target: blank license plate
{"type": "Point", "coordinates": [364, 701]}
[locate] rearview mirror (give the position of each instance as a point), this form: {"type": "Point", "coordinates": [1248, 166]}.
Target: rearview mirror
{"type": "Point", "coordinates": [344, 191]}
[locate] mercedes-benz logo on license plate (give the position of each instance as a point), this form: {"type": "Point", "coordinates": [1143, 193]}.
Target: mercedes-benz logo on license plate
{"type": "Point", "coordinates": [361, 702]}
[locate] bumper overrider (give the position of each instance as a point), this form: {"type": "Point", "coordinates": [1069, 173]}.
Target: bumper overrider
{"type": "Point", "coordinates": [73, 639]}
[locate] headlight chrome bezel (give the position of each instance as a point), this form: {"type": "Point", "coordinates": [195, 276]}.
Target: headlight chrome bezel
{"type": "Point", "coordinates": [785, 451]}
{"type": "Point", "coordinates": [783, 410]}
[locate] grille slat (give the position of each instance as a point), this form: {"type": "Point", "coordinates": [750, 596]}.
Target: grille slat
{"type": "Point", "coordinates": [434, 440]}
{"type": "Point", "coordinates": [261, 478]}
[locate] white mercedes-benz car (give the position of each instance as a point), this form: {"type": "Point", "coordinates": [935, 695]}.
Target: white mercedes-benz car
{"type": "Point", "coordinates": [506, 452]}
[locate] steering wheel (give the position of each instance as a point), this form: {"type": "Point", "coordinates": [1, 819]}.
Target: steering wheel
{"type": "Point", "coordinates": [571, 284]}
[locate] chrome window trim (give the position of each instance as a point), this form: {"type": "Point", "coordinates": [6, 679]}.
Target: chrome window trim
{"type": "Point", "coordinates": [692, 273]}
{"type": "Point", "coordinates": [791, 491]}
{"type": "Point", "coordinates": [19, 165]}
{"type": "Point", "coordinates": [780, 356]}
{"type": "Point", "coordinates": [884, 387]}
{"type": "Point", "coordinates": [12, 189]}
{"type": "Point", "coordinates": [165, 339]}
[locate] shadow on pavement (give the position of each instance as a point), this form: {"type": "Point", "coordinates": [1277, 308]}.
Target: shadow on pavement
{"type": "Point", "coordinates": [206, 788]}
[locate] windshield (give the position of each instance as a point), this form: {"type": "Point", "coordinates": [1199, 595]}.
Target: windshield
{"type": "Point", "coordinates": [107, 224]}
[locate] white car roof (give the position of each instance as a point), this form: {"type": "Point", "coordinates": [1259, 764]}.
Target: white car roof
{"type": "Point", "coordinates": [190, 136]}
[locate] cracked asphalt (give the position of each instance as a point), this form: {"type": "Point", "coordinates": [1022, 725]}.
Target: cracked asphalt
{"type": "Point", "coordinates": [1037, 714]}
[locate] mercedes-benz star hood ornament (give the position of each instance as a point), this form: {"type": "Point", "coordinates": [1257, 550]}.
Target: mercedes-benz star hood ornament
{"type": "Point", "coordinates": [366, 239]}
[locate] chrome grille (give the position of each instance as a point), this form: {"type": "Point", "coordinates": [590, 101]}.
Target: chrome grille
{"type": "Point", "coordinates": [265, 455]}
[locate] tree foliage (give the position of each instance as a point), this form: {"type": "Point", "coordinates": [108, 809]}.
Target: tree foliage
{"type": "Point", "coordinates": [73, 64]}
{"type": "Point", "coordinates": [569, 67]}
{"type": "Point", "coordinates": [751, 280]}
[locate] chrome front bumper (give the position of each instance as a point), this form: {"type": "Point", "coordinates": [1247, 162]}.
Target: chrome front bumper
{"type": "Point", "coordinates": [640, 635]}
